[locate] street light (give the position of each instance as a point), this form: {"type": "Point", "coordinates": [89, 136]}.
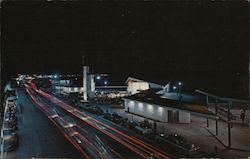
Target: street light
{"type": "Point", "coordinates": [174, 88]}
{"type": "Point", "coordinates": [105, 82]}
{"type": "Point", "coordinates": [180, 86]}
{"type": "Point", "coordinates": [179, 83]}
{"type": "Point", "coordinates": [55, 81]}
{"type": "Point", "coordinates": [98, 77]}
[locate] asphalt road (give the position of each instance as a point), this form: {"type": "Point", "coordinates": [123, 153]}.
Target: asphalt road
{"type": "Point", "coordinates": [38, 137]}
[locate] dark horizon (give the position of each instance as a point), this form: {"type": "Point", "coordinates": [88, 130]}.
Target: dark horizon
{"type": "Point", "coordinates": [204, 44]}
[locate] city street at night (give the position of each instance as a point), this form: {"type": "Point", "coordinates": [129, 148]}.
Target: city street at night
{"type": "Point", "coordinates": [116, 79]}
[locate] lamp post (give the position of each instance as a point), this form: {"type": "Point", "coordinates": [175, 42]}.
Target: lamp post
{"type": "Point", "coordinates": [180, 87]}
{"type": "Point", "coordinates": [55, 82]}
{"type": "Point", "coordinates": [106, 83]}
{"type": "Point", "coordinates": [174, 88]}
{"type": "Point", "coordinates": [98, 77]}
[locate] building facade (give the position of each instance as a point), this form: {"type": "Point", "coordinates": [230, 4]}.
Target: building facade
{"type": "Point", "coordinates": [156, 112]}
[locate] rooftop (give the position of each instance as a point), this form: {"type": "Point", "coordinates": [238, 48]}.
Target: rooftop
{"type": "Point", "coordinates": [150, 96]}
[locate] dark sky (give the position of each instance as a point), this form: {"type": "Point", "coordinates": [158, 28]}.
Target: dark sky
{"type": "Point", "coordinates": [203, 43]}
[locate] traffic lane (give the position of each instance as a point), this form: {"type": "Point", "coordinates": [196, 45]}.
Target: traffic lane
{"type": "Point", "coordinates": [38, 136]}
{"type": "Point", "coordinates": [115, 146]}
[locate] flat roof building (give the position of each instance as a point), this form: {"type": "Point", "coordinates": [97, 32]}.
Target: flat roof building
{"type": "Point", "coordinates": [151, 105]}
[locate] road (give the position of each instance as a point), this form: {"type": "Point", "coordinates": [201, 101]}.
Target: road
{"type": "Point", "coordinates": [95, 138]}
{"type": "Point", "coordinates": [38, 136]}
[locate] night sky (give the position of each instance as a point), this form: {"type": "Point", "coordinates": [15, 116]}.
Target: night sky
{"type": "Point", "coordinates": [203, 43]}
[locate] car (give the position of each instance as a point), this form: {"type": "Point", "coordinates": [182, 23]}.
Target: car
{"type": "Point", "coordinates": [108, 116]}
{"type": "Point", "coordinates": [96, 110]}
{"type": "Point", "coordinates": [9, 116]}
{"type": "Point", "coordinates": [124, 122]}
{"type": "Point", "coordinates": [143, 131]}
{"type": "Point", "coordinates": [69, 125]}
{"type": "Point", "coordinates": [11, 140]}
{"type": "Point", "coordinates": [116, 118]}
{"type": "Point", "coordinates": [132, 124]}
{"type": "Point", "coordinates": [178, 142]}
{"type": "Point", "coordinates": [11, 122]}
{"type": "Point", "coordinates": [12, 125]}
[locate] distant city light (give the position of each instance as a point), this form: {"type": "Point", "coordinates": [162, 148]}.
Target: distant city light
{"type": "Point", "coordinates": [55, 76]}
{"type": "Point", "coordinates": [174, 87]}
{"type": "Point", "coordinates": [179, 83]}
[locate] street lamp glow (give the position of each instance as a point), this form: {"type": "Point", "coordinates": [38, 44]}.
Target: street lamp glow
{"type": "Point", "coordinates": [174, 88]}
{"type": "Point", "coordinates": [105, 82]}
{"type": "Point", "coordinates": [98, 77]}
{"type": "Point", "coordinates": [179, 83]}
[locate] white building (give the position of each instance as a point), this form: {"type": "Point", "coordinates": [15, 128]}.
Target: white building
{"type": "Point", "coordinates": [69, 89]}
{"type": "Point", "coordinates": [137, 85]}
{"type": "Point", "coordinates": [151, 106]}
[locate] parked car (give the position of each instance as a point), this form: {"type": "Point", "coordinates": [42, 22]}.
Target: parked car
{"type": "Point", "coordinates": [132, 124]}
{"type": "Point", "coordinates": [178, 142]}
{"type": "Point", "coordinates": [10, 139]}
{"type": "Point", "coordinates": [108, 116]}
{"type": "Point", "coordinates": [96, 110]}
{"type": "Point", "coordinates": [144, 131]}
{"type": "Point", "coordinates": [124, 122]}
{"type": "Point", "coordinates": [12, 125]}
{"type": "Point", "coordinates": [116, 118]}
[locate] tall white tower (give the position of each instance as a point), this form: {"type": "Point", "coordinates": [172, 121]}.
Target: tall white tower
{"type": "Point", "coordinates": [85, 82]}
{"type": "Point", "coordinates": [88, 82]}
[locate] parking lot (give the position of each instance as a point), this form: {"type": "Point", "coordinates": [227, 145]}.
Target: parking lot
{"type": "Point", "coordinates": [195, 133]}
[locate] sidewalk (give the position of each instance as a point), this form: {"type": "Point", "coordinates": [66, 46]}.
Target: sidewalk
{"type": "Point", "coordinates": [239, 134]}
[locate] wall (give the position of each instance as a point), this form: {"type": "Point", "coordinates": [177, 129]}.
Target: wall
{"type": "Point", "coordinates": [91, 86]}
{"type": "Point", "coordinates": [184, 117]}
{"type": "Point", "coordinates": [148, 110]}
{"type": "Point", "coordinates": [155, 112]}
{"type": "Point", "coordinates": [133, 87]}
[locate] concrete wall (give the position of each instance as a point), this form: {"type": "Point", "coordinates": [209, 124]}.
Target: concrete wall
{"type": "Point", "coordinates": [184, 117]}
{"type": "Point", "coordinates": [148, 110]}
{"type": "Point", "coordinates": [155, 112]}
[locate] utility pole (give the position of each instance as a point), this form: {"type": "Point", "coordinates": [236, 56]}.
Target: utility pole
{"type": "Point", "coordinates": [229, 123]}
{"type": "Point", "coordinates": [216, 120]}
{"type": "Point", "coordinates": [207, 108]}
